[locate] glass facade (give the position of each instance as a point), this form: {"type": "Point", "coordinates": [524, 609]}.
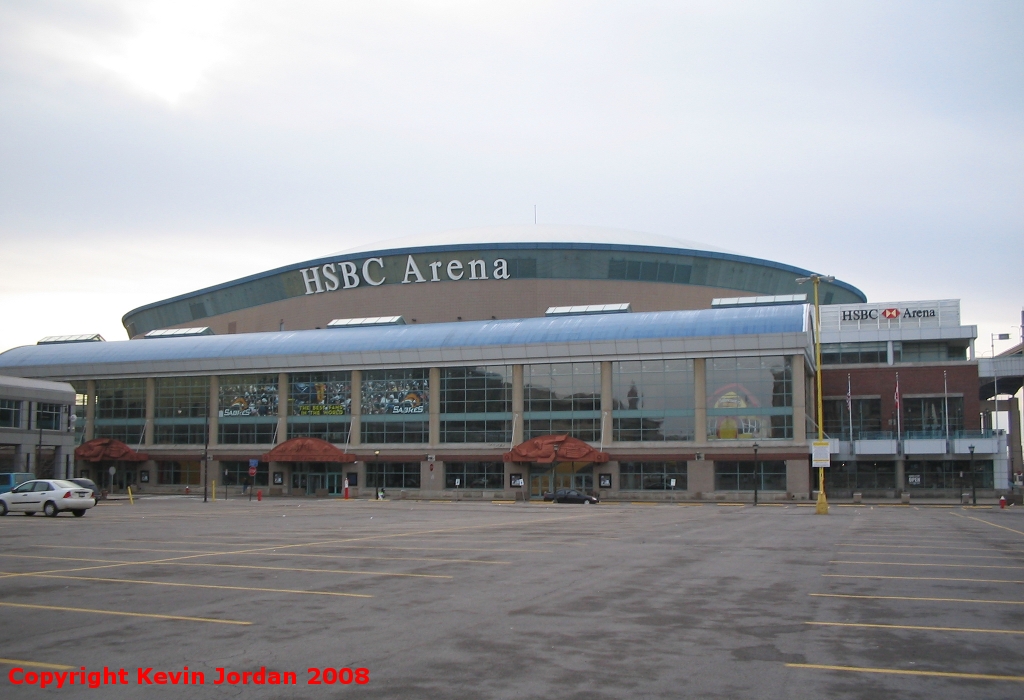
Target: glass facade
{"type": "Point", "coordinates": [653, 400]}
{"type": "Point", "coordinates": [334, 431]}
{"type": "Point", "coordinates": [652, 476]}
{"type": "Point", "coordinates": [236, 473]}
{"type": "Point", "coordinates": [181, 405]}
{"type": "Point", "coordinates": [130, 434]}
{"type": "Point", "coordinates": [120, 399]}
{"type": "Point", "coordinates": [395, 406]}
{"type": "Point", "coordinates": [928, 352]}
{"type": "Point", "coordinates": [393, 475]}
{"type": "Point", "coordinates": [178, 473]}
{"type": "Point", "coordinates": [48, 416]}
{"type": "Point", "coordinates": [476, 404]}
{"type": "Point", "coordinates": [857, 475]}
{"type": "Point", "coordinates": [474, 475]}
{"type": "Point", "coordinates": [749, 398]}
{"type": "Point", "coordinates": [320, 394]}
{"type": "Point", "coordinates": [767, 475]}
{"type": "Point", "coordinates": [248, 395]}
{"type": "Point", "coordinates": [563, 398]}
{"type": "Point", "coordinates": [867, 418]}
{"type": "Point", "coordinates": [854, 353]}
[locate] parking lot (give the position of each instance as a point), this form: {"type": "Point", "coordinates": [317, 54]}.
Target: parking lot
{"type": "Point", "coordinates": [513, 600]}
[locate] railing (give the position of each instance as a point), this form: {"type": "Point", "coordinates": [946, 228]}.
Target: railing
{"type": "Point", "coordinates": [964, 434]}
{"type": "Point", "coordinates": [875, 435]}
{"type": "Point", "coordinates": [924, 435]}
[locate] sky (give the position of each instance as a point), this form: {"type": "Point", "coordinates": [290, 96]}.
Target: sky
{"type": "Point", "coordinates": [151, 148]}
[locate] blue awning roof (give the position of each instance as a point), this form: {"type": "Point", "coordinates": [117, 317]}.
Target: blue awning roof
{"type": "Point", "coordinates": [514, 332]}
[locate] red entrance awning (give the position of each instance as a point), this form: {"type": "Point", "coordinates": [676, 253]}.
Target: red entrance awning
{"type": "Point", "coordinates": [305, 449]}
{"type": "Point", "coordinates": [108, 449]}
{"type": "Point", "coordinates": [549, 448]}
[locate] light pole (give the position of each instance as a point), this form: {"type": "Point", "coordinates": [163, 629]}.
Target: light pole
{"type": "Point", "coordinates": [206, 449]}
{"type": "Point", "coordinates": [757, 473]}
{"type": "Point", "coordinates": [995, 393]}
{"type": "Point", "coordinates": [974, 489]}
{"type": "Point", "coordinates": [822, 507]}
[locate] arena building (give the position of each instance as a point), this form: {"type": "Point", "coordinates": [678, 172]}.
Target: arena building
{"type": "Point", "coordinates": [504, 363]}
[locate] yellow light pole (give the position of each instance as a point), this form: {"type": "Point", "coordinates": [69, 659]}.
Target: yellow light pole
{"type": "Point", "coordinates": [822, 507]}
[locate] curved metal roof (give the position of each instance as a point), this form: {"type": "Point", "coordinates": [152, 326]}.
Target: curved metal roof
{"type": "Point", "coordinates": [444, 343]}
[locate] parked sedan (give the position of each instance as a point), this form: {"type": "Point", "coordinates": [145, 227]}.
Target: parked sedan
{"type": "Point", "coordinates": [49, 496]}
{"type": "Point", "coordinates": [87, 484]}
{"type": "Point", "coordinates": [570, 496]}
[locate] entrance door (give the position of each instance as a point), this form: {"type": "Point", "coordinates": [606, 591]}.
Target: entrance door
{"type": "Point", "coordinates": [540, 483]}
{"type": "Point", "coordinates": [314, 482]}
{"type": "Point", "coordinates": [334, 482]}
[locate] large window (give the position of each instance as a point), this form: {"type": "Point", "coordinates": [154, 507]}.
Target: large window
{"type": "Point", "coordinates": [766, 475]}
{"type": "Point", "coordinates": [563, 398]}
{"type": "Point", "coordinates": [474, 475]}
{"type": "Point", "coordinates": [652, 476]}
{"type": "Point", "coordinates": [320, 394]}
{"type": "Point", "coordinates": [10, 413]}
{"type": "Point", "coordinates": [928, 352]}
{"type": "Point", "coordinates": [333, 431]}
{"type": "Point", "coordinates": [395, 406]}
{"type": "Point", "coordinates": [130, 434]}
{"type": "Point", "coordinates": [953, 474]}
{"type": "Point", "coordinates": [48, 416]}
{"type": "Point", "coordinates": [653, 400]}
{"type": "Point", "coordinates": [393, 475]}
{"type": "Point", "coordinates": [178, 473]}
{"type": "Point", "coordinates": [180, 433]}
{"type": "Point", "coordinates": [926, 416]}
{"type": "Point", "coordinates": [749, 398]}
{"type": "Point", "coordinates": [867, 418]}
{"type": "Point", "coordinates": [476, 404]}
{"type": "Point", "coordinates": [120, 398]}
{"type": "Point", "coordinates": [246, 433]}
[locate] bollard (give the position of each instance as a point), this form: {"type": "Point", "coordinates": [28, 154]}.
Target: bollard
{"type": "Point", "coordinates": [132, 500]}
{"type": "Point", "coordinates": [259, 495]}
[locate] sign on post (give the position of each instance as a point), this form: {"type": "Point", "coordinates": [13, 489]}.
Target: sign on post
{"type": "Point", "coordinates": [821, 456]}
{"type": "Point", "coordinates": [252, 471]}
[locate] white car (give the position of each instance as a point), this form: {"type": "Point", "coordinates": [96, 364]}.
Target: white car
{"type": "Point", "coordinates": [50, 496]}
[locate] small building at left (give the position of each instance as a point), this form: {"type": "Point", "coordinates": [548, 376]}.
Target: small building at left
{"type": "Point", "coordinates": [37, 421]}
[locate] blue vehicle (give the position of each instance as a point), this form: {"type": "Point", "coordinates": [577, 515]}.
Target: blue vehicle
{"type": "Point", "coordinates": [11, 479]}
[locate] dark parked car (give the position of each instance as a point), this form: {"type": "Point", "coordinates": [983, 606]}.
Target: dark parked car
{"type": "Point", "coordinates": [88, 484]}
{"type": "Point", "coordinates": [570, 496]}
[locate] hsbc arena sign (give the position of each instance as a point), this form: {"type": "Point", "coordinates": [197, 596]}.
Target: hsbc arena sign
{"type": "Point", "coordinates": [890, 314]}
{"type": "Point", "coordinates": [372, 272]}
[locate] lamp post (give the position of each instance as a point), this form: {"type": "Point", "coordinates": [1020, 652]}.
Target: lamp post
{"type": "Point", "coordinates": [206, 449]}
{"type": "Point", "coordinates": [376, 468]}
{"type": "Point", "coordinates": [757, 473]}
{"type": "Point", "coordinates": [995, 393]}
{"type": "Point", "coordinates": [974, 489]}
{"type": "Point", "coordinates": [822, 507]}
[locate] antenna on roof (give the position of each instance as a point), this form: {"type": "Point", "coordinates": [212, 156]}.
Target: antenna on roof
{"type": "Point", "coordinates": [534, 214]}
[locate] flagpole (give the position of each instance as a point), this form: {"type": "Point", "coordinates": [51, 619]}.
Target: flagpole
{"type": "Point", "coordinates": [849, 404]}
{"type": "Point", "coordinates": [899, 418]}
{"type": "Point", "coordinates": [945, 404]}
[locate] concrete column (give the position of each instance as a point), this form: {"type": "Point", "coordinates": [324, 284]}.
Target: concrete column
{"type": "Point", "coordinates": [149, 437]}
{"type": "Point", "coordinates": [434, 391]}
{"type": "Point", "coordinates": [901, 475]}
{"type": "Point", "coordinates": [799, 375]}
{"type": "Point", "coordinates": [700, 404]}
{"type": "Point", "coordinates": [700, 477]}
{"type": "Point", "coordinates": [517, 409]}
{"type": "Point", "coordinates": [607, 433]}
{"type": "Point", "coordinates": [798, 477]}
{"type": "Point", "coordinates": [90, 410]}
{"type": "Point", "coordinates": [283, 407]}
{"type": "Point", "coordinates": [355, 429]}
{"type": "Point", "coordinates": [212, 410]}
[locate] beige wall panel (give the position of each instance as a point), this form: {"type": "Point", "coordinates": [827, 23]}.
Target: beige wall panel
{"type": "Point", "coordinates": [437, 302]}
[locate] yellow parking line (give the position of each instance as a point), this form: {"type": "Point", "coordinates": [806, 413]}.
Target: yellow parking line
{"type": "Point", "coordinates": [903, 672]}
{"type": "Point", "coordinates": [982, 520]}
{"type": "Point", "coordinates": [501, 501]}
{"type": "Point", "coordinates": [924, 578]}
{"type": "Point", "coordinates": [199, 585]}
{"type": "Point", "coordinates": [926, 554]}
{"type": "Point", "coordinates": [35, 664]}
{"type": "Point", "coordinates": [125, 614]}
{"type": "Point", "coordinates": [903, 597]}
{"type": "Point", "coordinates": [918, 546]}
{"type": "Point", "coordinates": [951, 566]}
{"type": "Point", "coordinates": [290, 568]}
{"type": "Point", "coordinates": [914, 627]}
{"type": "Point", "coordinates": [727, 505]}
{"type": "Point", "coordinates": [689, 504]}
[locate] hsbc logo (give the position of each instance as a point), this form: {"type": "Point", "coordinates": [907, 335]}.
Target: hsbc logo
{"type": "Point", "coordinates": [891, 313]}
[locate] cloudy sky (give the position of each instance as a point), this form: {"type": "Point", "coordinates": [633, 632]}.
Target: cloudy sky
{"type": "Point", "coordinates": [149, 148]}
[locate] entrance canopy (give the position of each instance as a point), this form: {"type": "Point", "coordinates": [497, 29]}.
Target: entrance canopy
{"type": "Point", "coordinates": [550, 448]}
{"type": "Point", "coordinates": [306, 449]}
{"type": "Point", "coordinates": [108, 449]}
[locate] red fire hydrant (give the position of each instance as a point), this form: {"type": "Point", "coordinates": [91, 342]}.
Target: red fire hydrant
{"type": "Point", "coordinates": [1002, 502]}
{"type": "Point", "coordinates": [259, 495]}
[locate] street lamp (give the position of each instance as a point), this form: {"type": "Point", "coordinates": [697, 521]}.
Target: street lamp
{"type": "Point", "coordinates": [822, 507]}
{"type": "Point", "coordinates": [995, 391]}
{"type": "Point", "coordinates": [974, 488]}
{"type": "Point", "coordinates": [757, 473]}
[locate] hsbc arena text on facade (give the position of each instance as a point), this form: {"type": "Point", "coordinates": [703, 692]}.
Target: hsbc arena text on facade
{"type": "Point", "coordinates": [510, 361]}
